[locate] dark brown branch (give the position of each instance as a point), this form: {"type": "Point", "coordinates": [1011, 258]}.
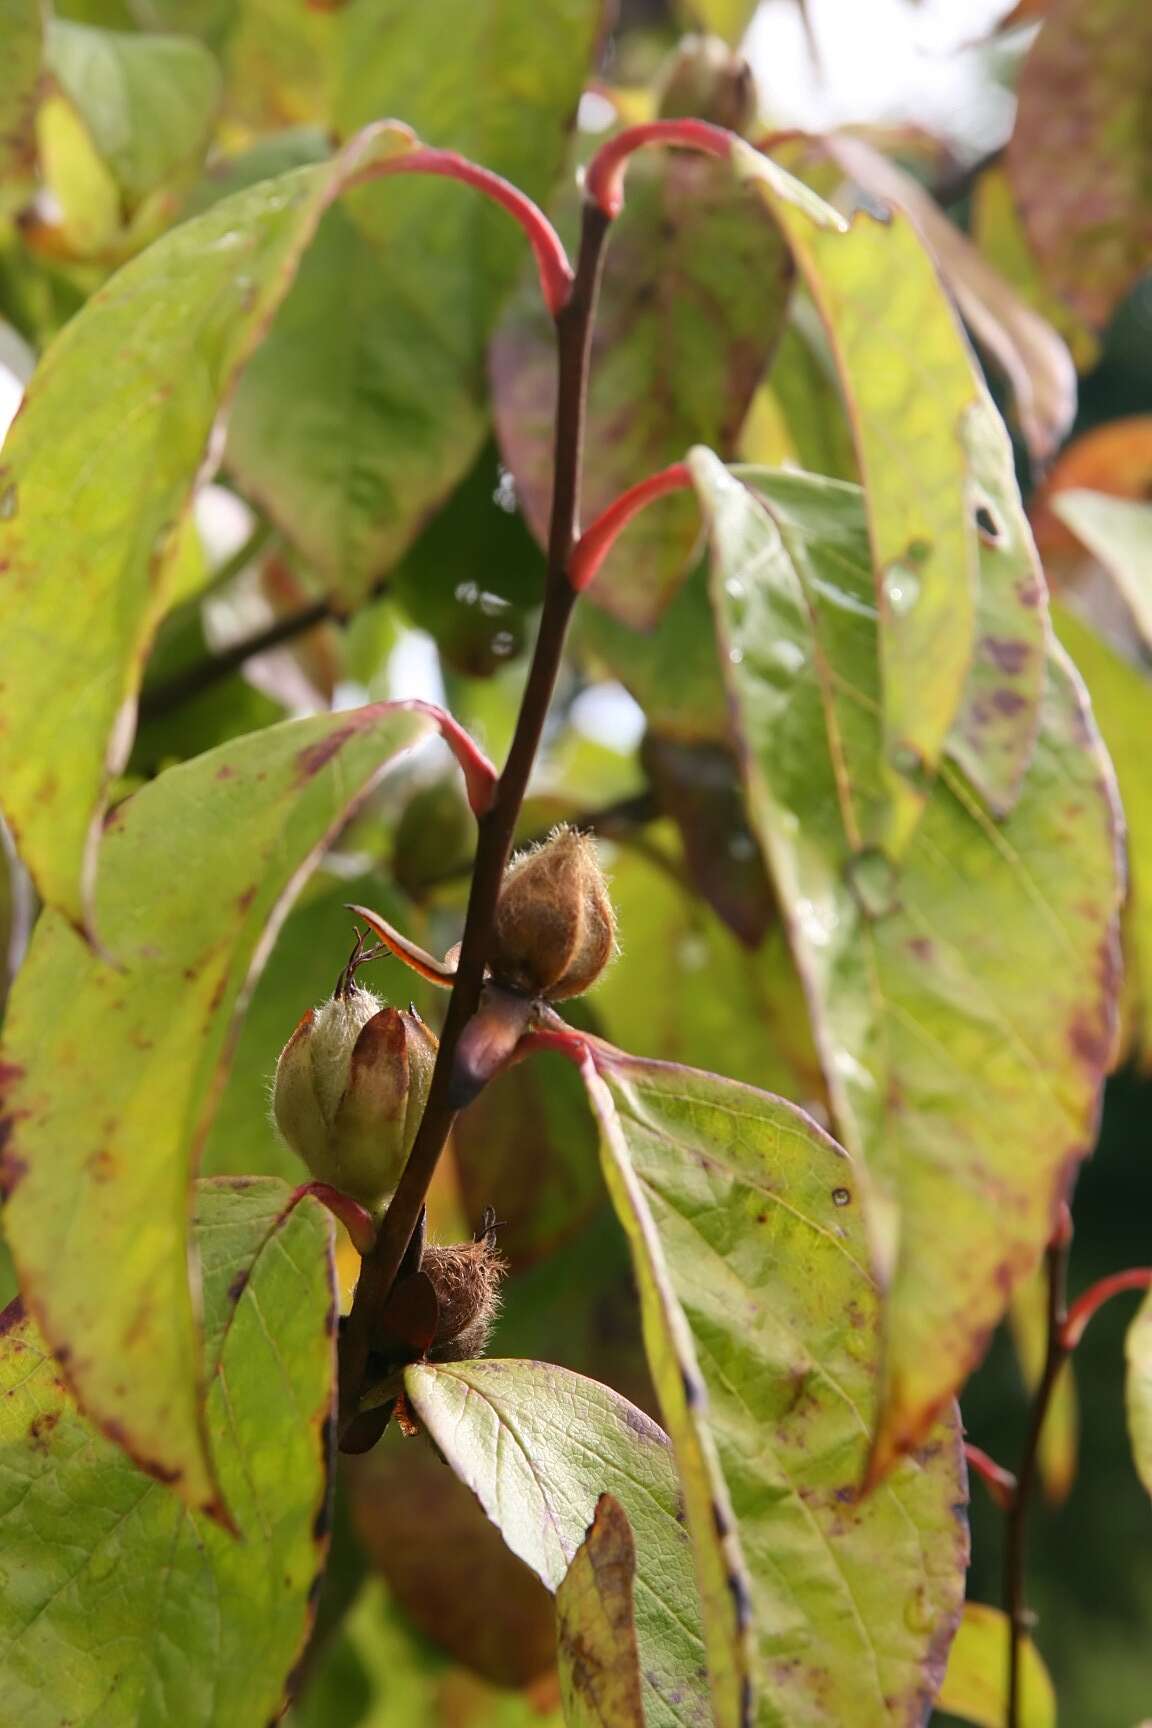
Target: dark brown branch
{"type": "Point", "coordinates": [497, 828]}
{"type": "Point", "coordinates": [181, 688]}
{"type": "Point", "coordinates": [1016, 1524]}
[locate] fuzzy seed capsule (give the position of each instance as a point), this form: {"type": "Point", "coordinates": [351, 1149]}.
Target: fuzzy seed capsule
{"type": "Point", "coordinates": [350, 1089]}
{"type": "Point", "coordinates": [466, 1277]}
{"type": "Point", "coordinates": [555, 929]}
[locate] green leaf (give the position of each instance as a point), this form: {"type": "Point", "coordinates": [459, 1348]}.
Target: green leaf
{"type": "Point", "coordinates": [1080, 155]}
{"type": "Point", "coordinates": [527, 1149]}
{"type": "Point", "coordinates": [690, 310]}
{"type": "Point", "coordinates": [931, 448]}
{"type": "Point", "coordinates": [1122, 706]}
{"type": "Point", "coordinates": [367, 403]}
{"type": "Point", "coordinates": [596, 1627]}
{"type": "Point", "coordinates": [684, 989]}
{"type": "Point", "coordinates": [538, 1445]}
{"type": "Point", "coordinates": [148, 102]}
{"type": "Point", "coordinates": [1138, 1390]}
{"type": "Point", "coordinates": [801, 405]}
{"type": "Point", "coordinates": [763, 1332]}
{"type": "Point", "coordinates": [976, 1683]}
{"type": "Point", "coordinates": [383, 1674]}
{"type": "Point", "coordinates": [474, 575]}
{"type": "Point", "coordinates": [98, 474]}
{"type": "Point", "coordinates": [21, 32]}
{"type": "Point", "coordinates": [671, 670]}
{"type": "Point", "coordinates": [964, 1002]}
{"type": "Point", "coordinates": [1117, 532]}
{"type": "Point", "coordinates": [121, 1606]}
{"type": "Point", "coordinates": [114, 1062]}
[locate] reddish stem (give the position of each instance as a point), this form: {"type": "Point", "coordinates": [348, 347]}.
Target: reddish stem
{"type": "Point", "coordinates": [597, 541]}
{"type": "Point", "coordinates": [551, 259]}
{"type": "Point", "coordinates": [479, 774]}
{"type": "Point", "coordinates": [1000, 1483]}
{"type": "Point", "coordinates": [1082, 1310]}
{"type": "Point", "coordinates": [356, 1220]}
{"type": "Point", "coordinates": [604, 176]}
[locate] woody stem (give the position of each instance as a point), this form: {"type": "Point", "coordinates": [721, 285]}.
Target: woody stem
{"type": "Point", "coordinates": [497, 827]}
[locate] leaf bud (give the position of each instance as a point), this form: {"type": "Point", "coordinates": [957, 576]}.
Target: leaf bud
{"type": "Point", "coordinates": [350, 1089]}
{"type": "Point", "coordinates": [708, 80]}
{"type": "Point", "coordinates": [555, 930]}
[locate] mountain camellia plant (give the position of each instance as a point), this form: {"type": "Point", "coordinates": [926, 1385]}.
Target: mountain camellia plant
{"type": "Point", "coordinates": [630, 1271]}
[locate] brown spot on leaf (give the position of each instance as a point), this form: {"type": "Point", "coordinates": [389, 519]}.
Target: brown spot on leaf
{"type": "Point", "coordinates": [1009, 655]}
{"type": "Point", "coordinates": [13, 1168]}
{"type": "Point", "coordinates": [238, 1285]}
{"type": "Point", "coordinates": [314, 757]}
{"type": "Point", "coordinates": [40, 1428]}
{"type": "Point", "coordinates": [1008, 701]}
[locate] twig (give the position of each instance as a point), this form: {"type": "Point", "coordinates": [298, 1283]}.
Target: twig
{"type": "Point", "coordinates": [497, 828]}
{"type": "Point", "coordinates": [1016, 1525]}
{"type": "Point", "coordinates": [196, 679]}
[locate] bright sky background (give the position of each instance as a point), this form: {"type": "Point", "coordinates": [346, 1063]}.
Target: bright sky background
{"type": "Point", "coordinates": [908, 60]}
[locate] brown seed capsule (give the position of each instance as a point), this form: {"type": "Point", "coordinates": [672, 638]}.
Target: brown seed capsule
{"type": "Point", "coordinates": [555, 928]}
{"type": "Point", "coordinates": [467, 1278]}
{"type": "Point", "coordinates": [350, 1089]}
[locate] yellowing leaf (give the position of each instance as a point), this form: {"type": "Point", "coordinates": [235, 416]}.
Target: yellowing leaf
{"type": "Point", "coordinates": [1030, 353]}
{"type": "Point", "coordinates": [965, 1001]}
{"type": "Point", "coordinates": [122, 1606]}
{"type": "Point", "coordinates": [596, 1629]}
{"type": "Point", "coordinates": [761, 1323]}
{"type": "Point", "coordinates": [1138, 1390]}
{"type": "Point", "coordinates": [113, 1063]}
{"type": "Point", "coordinates": [96, 477]}
{"type": "Point", "coordinates": [911, 405]}
{"type": "Point", "coordinates": [976, 1683]}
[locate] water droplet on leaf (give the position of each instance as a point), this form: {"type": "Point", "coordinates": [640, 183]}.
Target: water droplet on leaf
{"type": "Point", "coordinates": [901, 588]}
{"type": "Point", "coordinates": [736, 655]}
{"type": "Point", "coordinates": [841, 1197]}
{"type": "Point", "coordinates": [9, 504]}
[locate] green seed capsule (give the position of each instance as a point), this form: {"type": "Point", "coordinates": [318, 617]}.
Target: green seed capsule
{"type": "Point", "coordinates": [351, 1085]}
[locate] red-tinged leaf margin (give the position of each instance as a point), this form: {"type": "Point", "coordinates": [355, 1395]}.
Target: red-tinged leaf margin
{"type": "Point", "coordinates": [167, 1452]}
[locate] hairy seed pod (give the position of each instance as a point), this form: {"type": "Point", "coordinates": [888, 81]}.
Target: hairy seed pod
{"type": "Point", "coordinates": [350, 1089]}
{"type": "Point", "coordinates": [467, 1278]}
{"type": "Point", "coordinates": [555, 929]}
